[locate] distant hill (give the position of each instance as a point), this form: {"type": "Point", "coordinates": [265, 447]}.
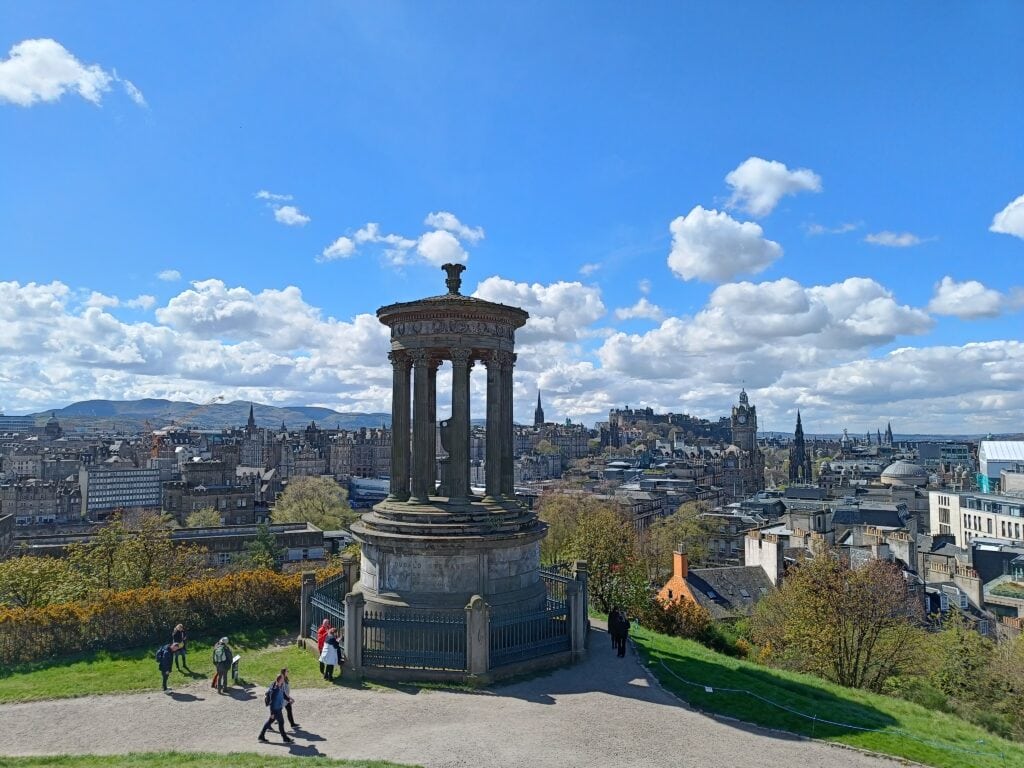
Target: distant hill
{"type": "Point", "coordinates": [132, 415]}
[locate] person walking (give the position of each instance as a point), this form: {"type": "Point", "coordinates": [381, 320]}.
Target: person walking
{"type": "Point", "coordinates": [179, 637]}
{"type": "Point", "coordinates": [331, 654]}
{"type": "Point", "coordinates": [165, 661]}
{"type": "Point", "coordinates": [618, 628]}
{"type": "Point", "coordinates": [288, 700]}
{"type": "Point", "coordinates": [222, 661]}
{"type": "Point", "coordinates": [275, 699]}
{"type": "Point", "coordinates": [321, 637]}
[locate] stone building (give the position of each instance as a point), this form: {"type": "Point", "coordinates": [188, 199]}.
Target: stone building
{"type": "Point", "coordinates": [234, 503]}
{"type": "Point", "coordinates": [361, 453]}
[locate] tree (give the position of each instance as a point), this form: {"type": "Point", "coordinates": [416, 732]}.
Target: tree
{"type": "Point", "coordinates": [263, 551]}
{"type": "Point", "coordinates": [854, 626]}
{"type": "Point", "coordinates": [207, 517]}
{"type": "Point", "coordinates": [317, 500]}
{"type": "Point", "coordinates": [688, 528]}
{"type": "Point", "coordinates": [545, 448]}
{"type": "Point", "coordinates": [27, 581]}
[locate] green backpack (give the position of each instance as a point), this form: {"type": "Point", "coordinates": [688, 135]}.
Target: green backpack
{"type": "Point", "coordinates": [220, 655]}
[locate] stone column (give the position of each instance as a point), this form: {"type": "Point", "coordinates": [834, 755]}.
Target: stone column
{"type": "Point", "coordinates": [458, 459]}
{"type": "Point", "coordinates": [422, 427]}
{"type": "Point", "coordinates": [431, 460]}
{"type": "Point", "coordinates": [495, 425]}
{"type": "Point", "coordinates": [399, 426]}
{"type": "Point", "coordinates": [507, 438]}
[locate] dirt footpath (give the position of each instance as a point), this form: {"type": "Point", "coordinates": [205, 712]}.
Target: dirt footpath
{"type": "Point", "coordinates": [600, 713]}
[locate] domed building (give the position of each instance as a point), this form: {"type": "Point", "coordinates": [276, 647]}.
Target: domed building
{"type": "Point", "coordinates": [904, 473]}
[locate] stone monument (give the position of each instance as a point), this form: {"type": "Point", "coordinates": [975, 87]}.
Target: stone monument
{"type": "Point", "coordinates": [436, 548]}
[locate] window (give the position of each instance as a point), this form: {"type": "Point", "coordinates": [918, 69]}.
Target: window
{"type": "Point", "coordinates": [1016, 530]}
{"type": "Point", "coordinates": [988, 524]}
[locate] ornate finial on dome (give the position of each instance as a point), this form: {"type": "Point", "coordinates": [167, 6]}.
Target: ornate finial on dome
{"type": "Point", "coordinates": [454, 281]}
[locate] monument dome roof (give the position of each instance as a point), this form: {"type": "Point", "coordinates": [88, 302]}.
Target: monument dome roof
{"type": "Point", "coordinates": [904, 473]}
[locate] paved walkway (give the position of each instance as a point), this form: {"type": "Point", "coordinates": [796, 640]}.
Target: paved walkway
{"type": "Point", "coordinates": [602, 713]}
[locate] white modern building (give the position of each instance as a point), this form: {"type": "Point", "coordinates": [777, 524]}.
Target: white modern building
{"type": "Point", "coordinates": [971, 515]}
{"type": "Point", "coordinates": [996, 455]}
{"type": "Point", "coordinates": [106, 488]}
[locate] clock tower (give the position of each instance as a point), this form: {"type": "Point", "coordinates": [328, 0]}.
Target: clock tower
{"type": "Point", "coordinates": [744, 425]}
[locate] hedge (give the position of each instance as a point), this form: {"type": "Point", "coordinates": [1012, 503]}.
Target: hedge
{"type": "Point", "coordinates": [137, 617]}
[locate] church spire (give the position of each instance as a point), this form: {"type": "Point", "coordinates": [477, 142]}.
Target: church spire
{"type": "Point", "coordinates": [538, 413]}
{"type": "Point", "coordinates": [250, 425]}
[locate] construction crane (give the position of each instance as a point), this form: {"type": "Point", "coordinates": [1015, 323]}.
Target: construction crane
{"type": "Point", "coordinates": [158, 435]}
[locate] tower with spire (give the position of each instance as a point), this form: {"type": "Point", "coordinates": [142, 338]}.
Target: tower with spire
{"type": "Point", "coordinates": [799, 457]}
{"type": "Point", "coordinates": [250, 426]}
{"type": "Point", "coordinates": [888, 433]}
{"type": "Point", "coordinates": [538, 412]}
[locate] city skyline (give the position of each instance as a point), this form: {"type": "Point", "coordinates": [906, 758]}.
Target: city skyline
{"type": "Point", "coordinates": [824, 208]}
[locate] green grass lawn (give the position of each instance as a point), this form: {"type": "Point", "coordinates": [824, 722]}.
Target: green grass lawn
{"type": "Point", "coordinates": [906, 730]}
{"type": "Point", "coordinates": [187, 760]}
{"type": "Point", "coordinates": [264, 652]}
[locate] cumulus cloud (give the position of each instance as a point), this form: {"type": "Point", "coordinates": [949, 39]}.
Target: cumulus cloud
{"type": "Point", "coordinates": [44, 70]}
{"type": "Point", "coordinates": [450, 223]}
{"type": "Point", "coordinates": [441, 245]}
{"type": "Point", "coordinates": [143, 301]}
{"type": "Point", "coordinates": [341, 248]}
{"type": "Point", "coordinates": [97, 299]}
{"type": "Point", "coordinates": [169, 275]}
{"type": "Point", "coordinates": [893, 239]}
{"type": "Point", "coordinates": [967, 300]}
{"type": "Point", "coordinates": [290, 216]}
{"type": "Point", "coordinates": [1010, 220]}
{"type": "Point", "coordinates": [642, 309]}
{"type": "Point", "coordinates": [559, 311]}
{"type": "Point", "coordinates": [711, 246]}
{"type": "Point", "coordinates": [758, 184]}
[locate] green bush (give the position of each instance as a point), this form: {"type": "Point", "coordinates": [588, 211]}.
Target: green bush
{"type": "Point", "coordinates": [118, 620]}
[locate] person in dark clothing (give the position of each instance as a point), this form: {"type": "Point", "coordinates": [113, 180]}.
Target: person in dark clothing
{"type": "Point", "coordinates": [276, 703]}
{"type": "Point", "coordinates": [222, 658]}
{"type": "Point", "coordinates": [179, 637]}
{"type": "Point", "coordinates": [618, 628]}
{"type": "Point", "coordinates": [288, 700]}
{"type": "Point", "coordinates": [165, 661]}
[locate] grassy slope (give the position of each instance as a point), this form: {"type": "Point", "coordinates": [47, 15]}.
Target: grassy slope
{"type": "Point", "coordinates": [186, 760]}
{"type": "Point", "coordinates": [933, 738]}
{"type": "Point", "coordinates": [136, 670]}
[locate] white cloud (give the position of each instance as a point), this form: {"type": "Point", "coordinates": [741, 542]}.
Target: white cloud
{"type": "Point", "coordinates": [820, 229]}
{"type": "Point", "coordinates": [967, 300]}
{"type": "Point", "coordinates": [266, 195]}
{"type": "Point", "coordinates": [44, 70]}
{"type": "Point", "coordinates": [558, 312]}
{"type": "Point", "coordinates": [1010, 220]}
{"type": "Point", "coordinates": [588, 269]}
{"type": "Point", "coordinates": [143, 301]}
{"type": "Point", "coordinates": [290, 216]}
{"type": "Point", "coordinates": [448, 222]}
{"type": "Point", "coordinates": [341, 248]}
{"type": "Point", "coordinates": [642, 309]}
{"type": "Point", "coordinates": [893, 239]}
{"type": "Point", "coordinates": [134, 93]}
{"type": "Point", "coordinates": [645, 286]}
{"type": "Point", "coordinates": [169, 275]}
{"type": "Point", "coordinates": [441, 247]}
{"type": "Point", "coordinates": [711, 246]}
{"type": "Point", "coordinates": [759, 184]}
{"type": "Point", "coordinates": [97, 299]}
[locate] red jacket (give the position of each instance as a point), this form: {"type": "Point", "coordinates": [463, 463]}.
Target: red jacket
{"type": "Point", "coordinates": [321, 636]}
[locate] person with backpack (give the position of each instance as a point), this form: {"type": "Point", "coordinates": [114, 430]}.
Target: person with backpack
{"type": "Point", "coordinates": [179, 637]}
{"type": "Point", "coordinates": [288, 700]}
{"type": "Point", "coordinates": [275, 699]}
{"type": "Point", "coordinates": [222, 657]}
{"type": "Point", "coordinates": [165, 661]}
{"type": "Point", "coordinates": [618, 628]}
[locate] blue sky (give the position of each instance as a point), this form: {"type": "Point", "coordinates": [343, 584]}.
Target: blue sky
{"type": "Point", "coordinates": [824, 205]}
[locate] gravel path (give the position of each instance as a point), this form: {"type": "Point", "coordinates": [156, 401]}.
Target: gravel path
{"type": "Point", "coordinates": [602, 712]}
